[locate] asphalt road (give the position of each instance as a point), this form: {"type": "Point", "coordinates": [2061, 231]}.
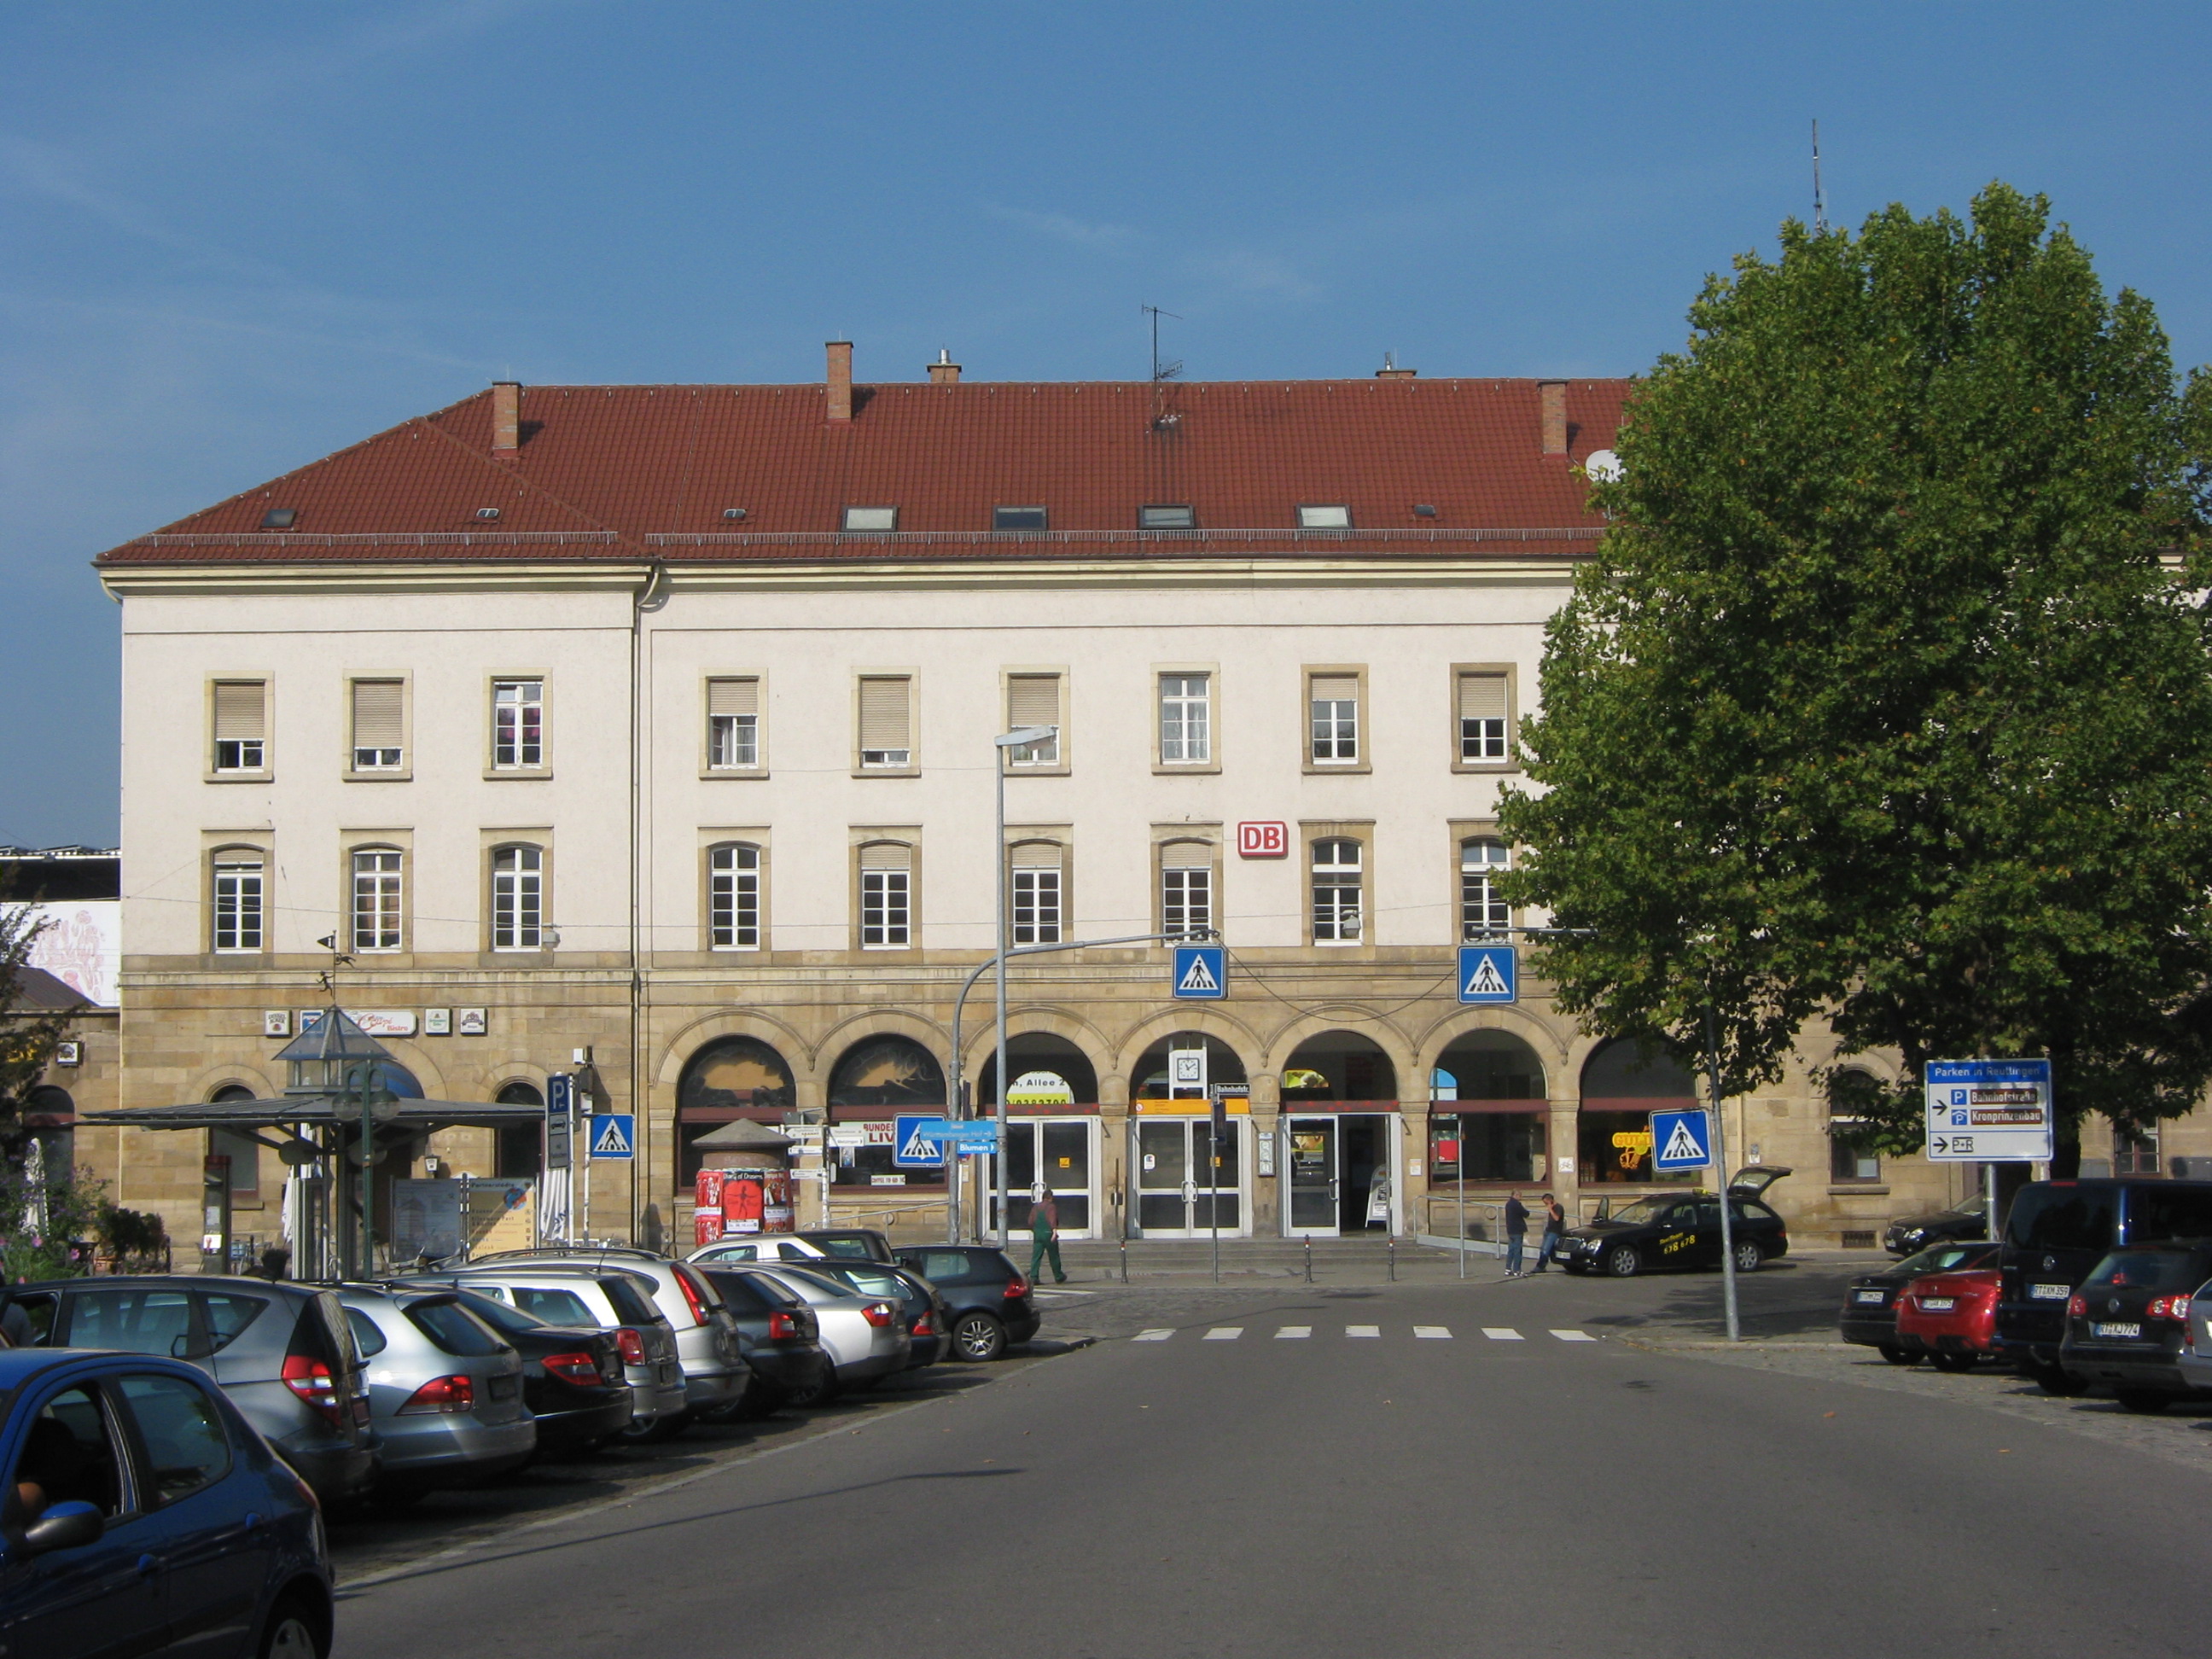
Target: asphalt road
{"type": "Point", "coordinates": [1342, 1493]}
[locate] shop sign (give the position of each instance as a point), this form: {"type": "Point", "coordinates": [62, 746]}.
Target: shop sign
{"type": "Point", "coordinates": [376, 1022]}
{"type": "Point", "coordinates": [1041, 1089]}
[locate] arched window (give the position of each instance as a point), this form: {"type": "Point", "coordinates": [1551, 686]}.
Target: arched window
{"type": "Point", "coordinates": [1336, 884]}
{"type": "Point", "coordinates": [520, 1149]}
{"type": "Point", "coordinates": [886, 896]}
{"type": "Point", "coordinates": [518, 898]}
{"type": "Point", "coordinates": [1624, 1083]}
{"type": "Point", "coordinates": [238, 1146]}
{"type": "Point", "coordinates": [1487, 1120]}
{"type": "Point", "coordinates": [873, 1079]}
{"type": "Point", "coordinates": [1339, 1065]}
{"type": "Point", "coordinates": [1482, 911]}
{"type": "Point", "coordinates": [1190, 1065]}
{"type": "Point", "coordinates": [238, 899]}
{"type": "Point", "coordinates": [733, 897]}
{"type": "Point", "coordinates": [376, 897]}
{"type": "Point", "coordinates": [1034, 895]}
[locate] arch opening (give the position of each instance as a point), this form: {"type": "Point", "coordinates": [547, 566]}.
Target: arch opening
{"type": "Point", "coordinates": [1624, 1082]}
{"type": "Point", "coordinates": [1339, 1065]}
{"type": "Point", "coordinates": [1488, 1120]}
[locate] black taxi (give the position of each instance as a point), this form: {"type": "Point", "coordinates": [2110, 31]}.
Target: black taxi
{"type": "Point", "coordinates": [1681, 1229]}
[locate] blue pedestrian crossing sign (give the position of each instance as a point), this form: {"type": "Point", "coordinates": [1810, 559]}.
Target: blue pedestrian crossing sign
{"type": "Point", "coordinates": [614, 1135]}
{"type": "Point", "coordinates": [1489, 973]}
{"type": "Point", "coordinates": [1201, 973]}
{"type": "Point", "coordinates": [1682, 1140]}
{"type": "Point", "coordinates": [913, 1145]}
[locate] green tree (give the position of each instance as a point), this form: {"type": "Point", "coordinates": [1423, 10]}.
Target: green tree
{"type": "Point", "coordinates": [27, 1036]}
{"type": "Point", "coordinates": [1881, 701]}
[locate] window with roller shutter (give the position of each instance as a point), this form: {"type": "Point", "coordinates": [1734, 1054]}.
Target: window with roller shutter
{"type": "Point", "coordinates": [242, 725]}
{"type": "Point", "coordinates": [379, 725]}
{"type": "Point", "coordinates": [1186, 888]}
{"type": "Point", "coordinates": [1034, 700]}
{"type": "Point", "coordinates": [886, 722]}
{"type": "Point", "coordinates": [1484, 711]}
{"type": "Point", "coordinates": [733, 724]}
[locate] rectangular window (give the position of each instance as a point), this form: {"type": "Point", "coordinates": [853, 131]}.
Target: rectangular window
{"type": "Point", "coordinates": [379, 712]}
{"type": "Point", "coordinates": [1033, 906]}
{"type": "Point", "coordinates": [1166, 516]}
{"type": "Point", "coordinates": [733, 897]}
{"type": "Point", "coordinates": [376, 899]}
{"type": "Point", "coordinates": [886, 892]}
{"type": "Point", "coordinates": [1482, 913]}
{"type": "Point", "coordinates": [1034, 700]}
{"type": "Point", "coordinates": [518, 740]}
{"type": "Point", "coordinates": [1336, 711]}
{"type": "Point", "coordinates": [871, 517]}
{"type": "Point", "coordinates": [238, 905]}
{"type": "Point", "coordinates": [1324, 518]}
{"type": "Point", "coordinates": [1336, 882]}
{"type": "Point", "coordinates": [1847, 1165]}
{"type": "Point", "coordinates": [732, 724]}
{"type": "Point", "coordinates": [2134, 1154]}
{"type": "Point", "coordinates": [1482, 716]}
{"type": "Point", "coordinates": [241, 722]}
{"type": "Point", "coordinates": [1017, 518]}
{"type": "Point", "coordinates": [1186, 719]}
{"type": "Point", "coordinates": [245, 1155]}
{"type": "Point", "coordinates": [1186, 887]}
{"type": "Point", "coordinates": [518, 898]}
{"type": "Point", "coordinates": [886, 718]}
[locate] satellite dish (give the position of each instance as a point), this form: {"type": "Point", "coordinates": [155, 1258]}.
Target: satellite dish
{"type": "Point", "coordinates": [1603, 466]}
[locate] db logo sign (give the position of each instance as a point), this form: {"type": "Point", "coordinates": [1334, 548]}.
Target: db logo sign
{"type": "Point", "coordinates": [1263, 841]}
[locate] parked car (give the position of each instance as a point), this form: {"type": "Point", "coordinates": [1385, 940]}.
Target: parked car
{"type": "Point", "coordinates": [922, 1304]}
{"type": "Point", "coordinates": [282, 1352]}
{"type": "Point", "coordinates": [865, 1339]}
{"type": "Point", "coordinates": [714, 1371]}
{"type": "Point", "coordinates": [764, 1247]}
{"type": "Point", "coordinates": [2128, 1324]}
{"type": "Point", "coordinates": [615, 1302]}
{"type": "Point", "coordinates": [572, 1376]}
{"type": "Point", "coordinates": [1952, 1316]}
{"type": "Point", "coordinates": [139, 1502]}
{"type": "Point", "coordinates": [1679, 1230]}
{"type": "Point", "coordinates": [861, 1243]}
{"type": "Point", "coordinates": [2196, 1362]}
{"type": "Point", "coordinates": [1870, 1310]}
{"type": "Point", "coordinates": [445, 1391]}
{"type": "Point", "coordinates": [2057, 1231]}
{"type": "Point", "coordinates": [1960, 1223]}
{"type": "Point", "coordinates": [987, 1298]}
{"type": "Point", "coordinates": [781, 1337]}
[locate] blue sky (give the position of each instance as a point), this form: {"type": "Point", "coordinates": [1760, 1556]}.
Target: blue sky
{"type": "Point", "coordinates": [234, 237]}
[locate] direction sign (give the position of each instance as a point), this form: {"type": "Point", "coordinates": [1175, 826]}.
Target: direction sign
{"type": "Point", "coordinates": [1201, 973]}
{"type": "Point", "coordinates": [1488, 973]}
{"type": "Point", "coordinates": [1682, 1140]}
{"type": "Point", "coordinates": [971, 1135]}
{"type": "Point", "coordinates": [1989, 1111]}
{"type": "Point", "coordinates": [614, 1135]}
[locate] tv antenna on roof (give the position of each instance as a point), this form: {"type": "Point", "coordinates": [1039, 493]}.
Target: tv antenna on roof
{"type": "Point", "coordinates": [1819, 202]}
{"type": "Point", "coordinates": [1161, 371]}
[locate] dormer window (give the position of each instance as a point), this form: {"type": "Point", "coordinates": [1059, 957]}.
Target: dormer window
{"type": "Point", "coordinates": [1017, 518]}
{"type": "Point", "coordinates": [870, 518]}
{"type": "Point", "coordinates": [279, 518]}
{"type": "Point", "coordinates": [1167, 516]}
{"type": "Point", "coordinates": [1324, 518]}
{"type": "Point", "coordinates": [487, 514]}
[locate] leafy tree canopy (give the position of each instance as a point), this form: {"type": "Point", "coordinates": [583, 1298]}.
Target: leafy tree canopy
{"type": "Point", "coordinates": [1880, 701]}
{"type": "Point", "coordinates": [28, 1035]}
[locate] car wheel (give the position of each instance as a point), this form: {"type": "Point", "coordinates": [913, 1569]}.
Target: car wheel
{"type": "Point", "coordinates": [2148, 1401]}
{"type": "Point", "coordinates": [1748, 1257]}
{"type": "Point", "coordinates": [2056, 1380]}
{"type": "Point", "coordinates": [979, 1336]}
{"type": "Point", "coordinates": [1955, 1362]}
{"type": "Point", "coordinates": [1896, 1355]}
{"type": "Point", "coordinates": [294, 1633]}
{"type": "Point", "coordinates": [1621, 1261]}
{"type": "Point", "coordinates": [651, 1431]}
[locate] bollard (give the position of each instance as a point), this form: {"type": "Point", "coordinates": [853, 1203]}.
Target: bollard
{"type": "Point", "coordinates": [1125, 1262]}
{"type": "Point", "coordinates": [1394, 1261]}
{"type": "Point", "coordinates": [1309, 1240]}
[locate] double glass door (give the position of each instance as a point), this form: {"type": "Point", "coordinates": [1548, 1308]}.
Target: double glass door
{"type": "Point", "coordinates": [1057, 1153]}
{"type": "Point", "coordinates": [1184, 1184]}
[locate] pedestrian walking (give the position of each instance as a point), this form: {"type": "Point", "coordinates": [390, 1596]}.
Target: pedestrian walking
{"type": "Point", "coordinates": [1044, 1236]}
{"type": "Point", "coordinates": [1516, 1232]}
{"type": "Point", "coordinates": [1555, 1232]}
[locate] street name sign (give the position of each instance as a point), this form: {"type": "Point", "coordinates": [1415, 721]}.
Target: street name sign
{"type": "Point", "coordinates": [614, 1135]}
{"type": "Point", "coordinates": [942, 1134]}
{"type": "Point", "coordinates": [1488, 973]}
{"type": "Point", "coordinates": [1989, 1111]}
{"type": "Point", "coordinates": [1682, 1140]}
{"type": "Point", "coordinates": [1201, 973]}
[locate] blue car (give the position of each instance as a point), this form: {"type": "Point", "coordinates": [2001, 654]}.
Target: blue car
{"type": "Point", "coordinates": [141, 1514]}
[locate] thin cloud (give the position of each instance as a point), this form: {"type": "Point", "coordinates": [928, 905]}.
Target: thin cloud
{"type": "Point", "coordinates": [1250, 272]}
{"type": "Point", "coordinates": [1062, 227]}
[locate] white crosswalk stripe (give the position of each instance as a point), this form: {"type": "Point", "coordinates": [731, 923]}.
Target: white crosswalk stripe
{"type": "Point", "coordinates": [1294, 1331]}
{"type": "Point", "coordinates": [1361, 1333]}
{"type": "Point", "coordinates": [1574, 1336]}
{"type": "Point", "coordinates": [1151, 1336]}
{"type": "Point", "coordinates": [1362, 1330]}
{"type": "Point", "coordinates": [1224, 1333]}
{"type": "Point", "coordinates": [1433, 1332]}
{"type": "Point", "coordinates": [1502, 1334]}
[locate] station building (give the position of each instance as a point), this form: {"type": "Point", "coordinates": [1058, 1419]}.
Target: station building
{"type": "Point", "coordinates": [660, 721]}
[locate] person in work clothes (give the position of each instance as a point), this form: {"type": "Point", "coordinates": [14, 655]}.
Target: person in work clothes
{"type": "Point", "coordinates": [1044, 1234]}
{"type": "Point", "coordinates": [1516, 1232]}
{"type": "Point", "coordinates": [1555, 1232]}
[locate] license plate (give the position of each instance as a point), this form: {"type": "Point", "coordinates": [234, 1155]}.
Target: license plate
{"type": "Point", "coordinates": [502, 1388]}
{"type": "Point", "coordinates": [1873, 1297]}
{"type": "Point", "coordinates": [2116, 1330]}
{"type": "Point", "coordinates": [669, 1373]}
{"type": "Point", "coordinates": [2049, 1292]}
{"type": "Point", "coordinates": [1937, 1304]}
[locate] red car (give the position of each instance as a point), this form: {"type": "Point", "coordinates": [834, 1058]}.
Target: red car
{"type": "Point", "coordinates": [1952, 1317]}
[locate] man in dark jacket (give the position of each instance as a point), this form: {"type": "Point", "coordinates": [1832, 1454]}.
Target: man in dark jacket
{"type": "Point", "coordinates": [1516, 1232]}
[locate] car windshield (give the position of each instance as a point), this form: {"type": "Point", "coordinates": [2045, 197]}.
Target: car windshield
{"type": "Point", "coordinates": [2062, 1218]}
{"type": "Point", "coordinates": [1944, 1258]}
{"type": "Point", "coordinates": [2151, 1270]}
{"type": "Point", "coordinates": [509, 1321]}
{"type": "Point", "coordinates": [1644, 1212]}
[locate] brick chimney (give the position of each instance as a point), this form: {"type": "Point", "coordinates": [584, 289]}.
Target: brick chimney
{"type": "Point", "coordinates": [1554, 396]}
{"type": "Point", "coordinates": [840, 379]}
{"type": "Point", "coordinates": [506, 419]}
{"type": "Point", "coordinates": [944, 371]}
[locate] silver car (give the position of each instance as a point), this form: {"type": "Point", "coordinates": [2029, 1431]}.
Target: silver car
{"type": "Point", "coordinates": [866, 1339]}
{"type": "Point", "coordinates": [444, 1390]}
{"type": "Point", "coordinates": [767, 1247]}
{"type": "Point", "coordinates": [616, 1301]}
{"type": "Point", "coordinates": [714, 1369]}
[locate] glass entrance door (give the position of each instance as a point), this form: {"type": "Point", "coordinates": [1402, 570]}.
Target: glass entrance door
{"type": "Point", "coordinates": [1312, 1173]}
{"type": "Point", "coordinates": [1181, 1187]}
{"type": "Point", "coordinates": [1056, 1152]}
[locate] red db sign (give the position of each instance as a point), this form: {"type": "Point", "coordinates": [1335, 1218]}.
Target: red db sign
{"type": "Point", "coordinates": [1263, 841]}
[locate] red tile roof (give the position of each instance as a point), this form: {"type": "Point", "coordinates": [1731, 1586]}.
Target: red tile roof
{"type": "Point", "coordinates": [630, 472]}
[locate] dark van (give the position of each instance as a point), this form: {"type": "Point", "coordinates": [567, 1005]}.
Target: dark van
{"type": "Point", "coordinates": [2056, 1232]}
